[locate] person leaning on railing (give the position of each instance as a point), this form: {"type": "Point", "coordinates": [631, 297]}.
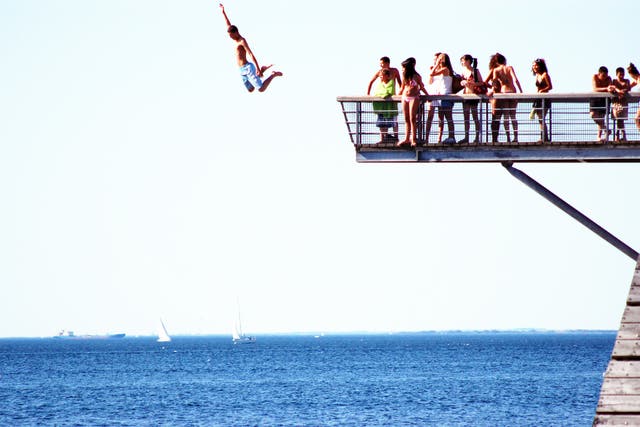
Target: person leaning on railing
{"type": "Point", "coordinates": [385, 64]}
{"type": "Point", "coordinates": [620, 104]}
{"type": "Point", "coordinates": [387, 110]}
{"type": "Point", "coordinates": [600, 82]}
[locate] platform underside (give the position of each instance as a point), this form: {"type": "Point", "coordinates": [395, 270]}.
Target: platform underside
{"type": "Point", "coordinates": [565, 152]}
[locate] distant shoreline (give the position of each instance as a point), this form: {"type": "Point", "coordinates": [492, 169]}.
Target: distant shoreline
{"type": "Point", "coordinates": [531, 331]}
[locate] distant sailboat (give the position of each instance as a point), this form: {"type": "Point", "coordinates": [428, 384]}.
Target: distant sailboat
{"type": "Point", "coordinates": [163, 336]}
{"type": "Point", "coordinates": [238, 336]}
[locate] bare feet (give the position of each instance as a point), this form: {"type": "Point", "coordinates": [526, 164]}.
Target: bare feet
{"type": "Point", "coordinates": [266, 83]}
{"type": "Point", "coordinates": [265, 68]}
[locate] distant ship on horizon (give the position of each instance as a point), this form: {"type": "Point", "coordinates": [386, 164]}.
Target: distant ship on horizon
{"type": "Point", "coordinates": [64, 334]}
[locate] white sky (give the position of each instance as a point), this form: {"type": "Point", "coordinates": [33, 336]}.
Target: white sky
{"type": "Point", "coordinates": [138, 179]}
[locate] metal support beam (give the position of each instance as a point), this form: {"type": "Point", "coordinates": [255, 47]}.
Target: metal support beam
{"type": "Point", "coordinates": [571, 211]}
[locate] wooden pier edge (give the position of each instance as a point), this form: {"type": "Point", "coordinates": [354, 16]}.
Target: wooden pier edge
{"type": "Point", "coordinates": [619, 402]}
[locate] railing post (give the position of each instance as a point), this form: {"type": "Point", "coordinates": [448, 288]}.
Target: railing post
{"type": "Point", "coordinates": [487, 122]}
{"type": "Point", "coordinates": [358, 123]}
{"type": "Point", "coordinates": [615, 122]}
{"type": "Point", "coordinates": [479, 131]}
{"type": "Point", "coordinates": [607, 113]}
{"type": "Point", "coordinates": [549, 129]}
{"type": "Point", "coordinates": [420, 120]}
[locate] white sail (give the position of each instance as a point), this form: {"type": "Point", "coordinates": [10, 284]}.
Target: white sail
{"type": "Point", "coordinates": [163, 336]}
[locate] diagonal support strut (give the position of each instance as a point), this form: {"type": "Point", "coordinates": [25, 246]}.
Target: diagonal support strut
{"type": "Point", "coordinates": [571, 211]}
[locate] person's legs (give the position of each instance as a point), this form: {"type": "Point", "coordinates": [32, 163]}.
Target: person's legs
{"type": "Point", "coordinates": [466, 113]}
{"type": "Point", "coordinates": [265, 68]}
{"type": "Point", "coordinates": [476, 122]}
{"type": "Point", "coordinates": [598, 112]}
{"type": "Point", "coordinates": [598, 118]}
{"type": "Point", "coordinates": [413, 107]}
{"type": "Point", "coordinates": [440, 123]}
{"type": "Point", "coordinates": [448, 114]}
{"type": "Point", "coordinates": [496, 115]}
{"type": "Point", "coordinates": [269, 79]}
{"type": "Point", "coordinates": [621, 134]}
{"type": "Point", "coordinates": [513, 108]}
{"type": "Point", "coordinates": [250, 78]}
{"type": "Point", "coordinates": [395, 128]}
{"type": "Point", "coordinates": [430, 115]}
{"type": "Point", "coordinates": [622, 113]}
{"type": "Point", "coordinates": [406, 111]}
{"type": "Point", "coordinates": [383, 134]}
{"type": "Point", "coordinates": [541, 123]}
{"type": "Point", "coordinates": [247, 83]}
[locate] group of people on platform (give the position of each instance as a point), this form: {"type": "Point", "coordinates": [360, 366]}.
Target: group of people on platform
{"type": "Point", "coordinates": [620, 86]}
{"type": "Point", "coordinates": [501, 79]}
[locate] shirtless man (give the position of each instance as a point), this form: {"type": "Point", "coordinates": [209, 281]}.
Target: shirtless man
{"type": "Point", "coordinates": [385, 64]}
{"type": "Point", "coordinates": [601, 82]}
{"type": "Point", "coordinates": [251, 72]}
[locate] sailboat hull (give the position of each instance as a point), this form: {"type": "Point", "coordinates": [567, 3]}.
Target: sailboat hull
{"type": "Point", "coordinates": [244, 340]}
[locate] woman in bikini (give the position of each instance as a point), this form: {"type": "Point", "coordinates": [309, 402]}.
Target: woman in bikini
{"type": "Point", "coordinates": [543, 83]}
{"type": "Point", "coordinates": [410, 91]}
{"type": "Point", "coordinates": [504, 80]}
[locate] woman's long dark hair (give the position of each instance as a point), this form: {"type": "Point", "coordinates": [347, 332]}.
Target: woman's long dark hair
{"type": "Point", "coordinates": [497, 60]}
{"type": "Point", "coordinates": [409, 71]}
{"type": "Point", "coordinates": [542, 65]}
{"type": "Point", "coordinates": [447, 63]}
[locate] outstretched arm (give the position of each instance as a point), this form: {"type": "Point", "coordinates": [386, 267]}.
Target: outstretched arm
{"type": "Point", "coordinates": [225, 15]}
{"type": "Point", "coordinates": [373, 79]}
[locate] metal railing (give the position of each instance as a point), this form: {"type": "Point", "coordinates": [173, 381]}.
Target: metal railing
{"type": "Point", "coordinates": [567, 118]}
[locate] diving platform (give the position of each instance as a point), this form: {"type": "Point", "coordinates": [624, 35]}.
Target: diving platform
{"type": "Point", "coordinates": [571, 132]}
{"type": "Point", "coordinates": [571, 137]}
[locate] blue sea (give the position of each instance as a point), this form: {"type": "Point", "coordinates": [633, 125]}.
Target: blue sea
{"type": "Point", "coordinates": [426, 379]}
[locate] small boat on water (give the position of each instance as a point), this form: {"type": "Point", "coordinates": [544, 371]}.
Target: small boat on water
{"type": "Point", "coordinates": [238, 335]}
{"type": "Point", "coordinates": [163, 335]}
{"type": "Point", "coordinates": [70, 335]}
{"type": "Point", "coordinates": [240, 338]}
